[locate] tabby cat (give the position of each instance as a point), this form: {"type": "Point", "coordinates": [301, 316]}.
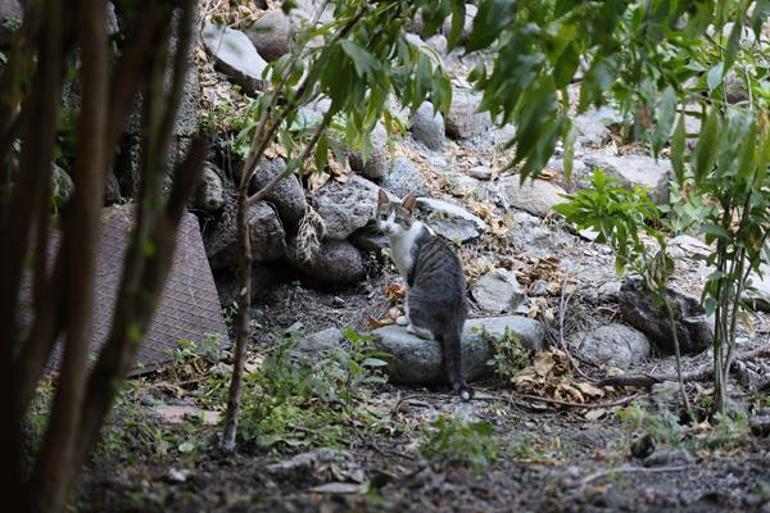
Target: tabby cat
{"type": "Point", "coordinates": [435, 305]}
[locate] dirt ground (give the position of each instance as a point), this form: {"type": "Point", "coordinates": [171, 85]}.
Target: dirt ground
{"type": "Point", "coordinates": [552, 457]}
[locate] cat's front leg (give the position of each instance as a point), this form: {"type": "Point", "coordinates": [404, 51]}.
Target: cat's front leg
{"type": "Point", "coordinates": [403, 320]}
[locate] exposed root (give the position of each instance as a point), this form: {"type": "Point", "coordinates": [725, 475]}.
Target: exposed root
{"type": "Point", "coordinates": [312, 230]}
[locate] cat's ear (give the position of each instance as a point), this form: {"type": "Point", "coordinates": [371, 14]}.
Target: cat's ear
{"type": "Point", "coordinates": [409, 203]}
{"type": "Point", "coordinates": [382, 198]}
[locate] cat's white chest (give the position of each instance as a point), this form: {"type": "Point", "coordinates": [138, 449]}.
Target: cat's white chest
{"type": "Point", "coordinates": [402, 247]}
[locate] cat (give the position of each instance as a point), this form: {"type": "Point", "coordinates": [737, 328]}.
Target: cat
{"type": "Point", "coordinates": [435, 306]}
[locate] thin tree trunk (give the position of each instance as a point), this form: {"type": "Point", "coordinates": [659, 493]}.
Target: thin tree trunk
{"type": "Point", "coordinates": [54, 469]}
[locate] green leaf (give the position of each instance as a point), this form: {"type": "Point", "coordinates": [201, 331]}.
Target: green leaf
{"type": "Point", "coordinates": [566, 66]}
{"type": "Point", "coordinates": [665, 119]}
{"type": "Point", "coordinates": [677, 150]}
{"type": "Point", "coordinates": [186, 447]}
{"type": "Point", "coordinates": [714, 77]}
{"type": "Point", "coordinates": [733, 42]}
{"type": "Point", "coordinates": [364, 62]}
{"type": "Point", "coordinates": [458, 22]}
{"type": "Point", "coordinates": [715, 230]}
{"type": "Point", "coordinates": [759, 16]}
{"type": "Point", "coordinates": [491, 18]}
{"type": "Point", "coordinates": [373, 362]}
{"type": "Point", "coordinates": [569, 149]}
{"type": "Point", "coordinates": [321, 152]}
{"type": "Point", "coordinates": [706, 149]}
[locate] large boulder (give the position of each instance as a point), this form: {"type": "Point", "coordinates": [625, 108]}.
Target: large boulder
{"type": "Point", "coordinates": [451, 221]}
{"type": "Point", "coordinates": [210, 195]}
{"type": "Point", "coordinates": [62, 186]}
{"type": "Point", "coordinates": [404, 178]}
{"type": "Point", "coordinates": [271, 35]}
{"type": "Point", "coordinates": [336, 262]}
{"type": "Point", "coordinates": [220, 235]}
{"type": "Point", "coordinates": [428, 126]}
{"type": "Point", "coordinates": [615, 344]}
{"type": "Point", "coordinates": [374, 165]}
{"type": "Point", "coordinates": [463, 120]}
{"type": "Point", "coordinates": [412, 360]}
{"type": "Point", "coordinates": [693, 327]}
{"type": "Point", "coordinates": [235, 56]}
{"type": "Point", "coordinates": [593, 125]}
{"type": "Point", "coordinates": [370, 239]}
{"type": "Point", "coordinates": [346, 207]}
{"type": "Point", "coordinates": [287, 196]}
{"type": "Point", "coordinates": [630, 170]}
{"type": "Point", "coordinates": [534, 196]}
{"type": "Point", "coordinates": [498, 292]}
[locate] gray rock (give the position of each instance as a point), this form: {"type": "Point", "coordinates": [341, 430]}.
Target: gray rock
{"type": "Point", "coordinates": [266, 232]}
{"type": "Point", "coordinates": [319, 342]}
{"type": "Point", "coordinates": [337, 262]}
{"type": "Point", "coordinates": [112, 20]}
{"type": "Point", "coordinates": [271, 35]}
{"type": "Point", "coordinates": [370, 239]}
{"type": "Point", "coordinates": [288, 196]}
{"type": "Point", "coordinates": [414, 360]}
{"type": "Point", "coordinates": [346, 207]}
{"type": "Point", "coordinates": [593, 125]}
{"type": "Point", "coordinates": [498, 292]}
{"type": "Point", "coordinates": [669, 457]}
{"type": "Point", "coordinates": [375, 165]}
{"type": "Point", "coordinates": [439, 43]}
{"type": "Point", "coordinates": [631, 170]}
{"type": "Point", "coordinates": [235, 56]}
{"type": "Point", "coordinates": [221, 238]}
{"type": "Point", "coordinates": [614, 344]}
{"type": "Point", "coordinates": [578, 167]}
{"type": "Point", "coordinates": [735, 88]}
{"type": "Point", "coordinates": [463, 121]}
{"type": "Point", "coordinates": [428, 127]}
{"type": "Point", "coordinates": [317, 463]}
{"type": "Point", "coordinates": [480, 172]}
{"type": "Point", "coordinates": [210, 195]}
{"type": "Point", "coordinates": [534, 196]}
{"type": "Point", "coordinates": [11, 18]}
{"type": "Point", "coordinates": [111, 190]}
{"type": "Point", "coordinates": [451, 221]}
{"type": "Point", "coordinates": [404, 178]}
{"type": "Point", "coordinates": [695, 332]}
{"type": "Point", "coordinates": [686, 246]}
{"type": "Point", "coordinates": [62, 186]}
{"type": "Point", "coordinates": [759, 292]}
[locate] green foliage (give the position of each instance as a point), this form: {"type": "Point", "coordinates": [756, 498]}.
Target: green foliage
{"type": "Point", "coordinates": [460, 443]}
{"type": "Point", "coordinates": [724, 431]}
{"type": "Point", "coordinates": [297, 402]}
{"type": "Point", "coordinates": [510, 355]}
{"type": "Point", "coordinates": [620, 217]}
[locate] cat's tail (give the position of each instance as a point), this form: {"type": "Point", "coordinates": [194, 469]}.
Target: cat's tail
{"type": "Point", "coordinates": [453, 354]}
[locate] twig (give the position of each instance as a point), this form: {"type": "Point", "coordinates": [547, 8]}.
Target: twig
{"type": "Point", "coordinates": [704, 374]}
{"type": "Point", "coordinates": [562, 307]}
{"type": "Point", "coordinates": [411, 398]}
{"type": "Point", "coordinates": [559, 402]}
{"type": "Point", "coordinates": [633, 470]}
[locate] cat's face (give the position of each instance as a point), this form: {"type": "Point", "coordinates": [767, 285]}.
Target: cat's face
{"type": "Point", "coordinates": [394, 218]}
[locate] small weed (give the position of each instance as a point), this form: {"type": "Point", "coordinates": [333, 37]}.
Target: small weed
{"type": "Point", "coordinates": [529, 447]}
{"type": "Point", "coordinates": [721, 432]}
{"type": "Point", "coordinates": [467, 444]}
{"type": "Point", "coordinates": [293, 401]}
{"type": "Point", "coordinates": [510, 355]}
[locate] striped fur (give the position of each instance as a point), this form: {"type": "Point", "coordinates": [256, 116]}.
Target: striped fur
{"type": "Point", "coordinates": [436, 306]}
